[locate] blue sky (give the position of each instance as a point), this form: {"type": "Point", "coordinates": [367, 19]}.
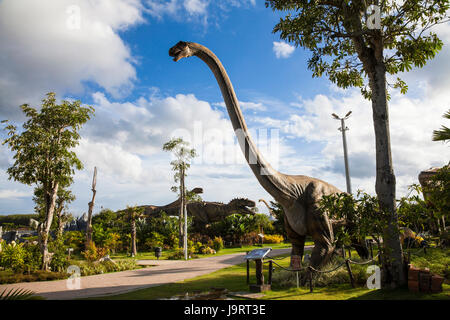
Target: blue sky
{"type": "Point", "coordinates": [116, 59]}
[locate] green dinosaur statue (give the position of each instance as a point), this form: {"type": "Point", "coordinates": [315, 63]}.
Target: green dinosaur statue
{"type": "Point", "coordinates": [152, 210]}
{"type": "Point", "coordinates": [207, 212]}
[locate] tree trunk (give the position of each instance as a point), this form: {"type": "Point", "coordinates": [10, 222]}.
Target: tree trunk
{"type": "Point", "coordinates": [44, 231]}
{"type": "Point", "coordinates": [385, 178]}
{"type": "Point", "coordinates": [133, 237]}
{"type": "Point", "coordinates": [89, 222]}
{"type": "Point", "coordinates": [181, 219]}
{"type": "Point", "coordinates": [60, 223]}
{"type": "Point", "coordinates": [90, 209]}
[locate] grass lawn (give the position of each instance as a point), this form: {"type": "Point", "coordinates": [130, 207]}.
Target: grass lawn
{"type": "Point", "coordinates": [234, 280]}
{"type": "Point", "coordinates": [165, 253]}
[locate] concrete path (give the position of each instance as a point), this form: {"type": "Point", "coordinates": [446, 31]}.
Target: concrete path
{"type": "Point", "coordinates": [161, 272]}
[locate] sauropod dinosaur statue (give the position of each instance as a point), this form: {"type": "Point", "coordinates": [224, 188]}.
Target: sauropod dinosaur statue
{"type": "Point", "coordinates": [207, 212]}
{"type": "Point", "coordinates": [268, 207]}
{"type": "Point", "coordinates": [299, 195]}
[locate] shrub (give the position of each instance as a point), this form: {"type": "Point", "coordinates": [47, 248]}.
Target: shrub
{"type": "Point", "coordinates": [74, 240]}
{"type": "Point", "coordinates": [59, 261]}
{"type": "Point", "coordinates": [178, 254]}
{"type": "Point", "coordinates": [172, 240]}
{"type": "Point", "coordinates": [90, 253]}
{"type": "Point", "coordinates": [286, 279]}
{"type": "Point", "coordinates": [13, 256]}
{"type": "Point", "coordinates": [198, 246]}
{"type": "Point", "coordinates": [275, 238]}
{"type": "Point", "coordinates": [250, 238]}
{"type": "Point", "coordinates": [92, 268]}
{"type": "Point", "coordinates": [155, 240]}
{"type": "Point", "coordinates": [207, 250]}
{"type": "Point", "coordinates": [217, 244]}
{"type": "Point", "coordinates": [112, 241]}
{"type": "Point", "coordinates": [33, 257]}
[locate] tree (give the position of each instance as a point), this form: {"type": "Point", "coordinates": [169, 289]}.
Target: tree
{"type": "Point", "coordinates": [131, 214]}
{"type": "Point", "coordinates": [442, 134]}
{"type": "Point", "coordinates": [44, 155]}
{"type": "Point", "coordinates": [183, 155]}
{"type": "Point", "coordinates": [357, 45]}
{"type": "Point", "coordinates": [63, 198]}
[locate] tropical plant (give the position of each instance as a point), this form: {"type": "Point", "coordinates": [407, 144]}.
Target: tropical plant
{"type": "Point", "coordinates": [59, 261]}
{"type": "Point", "coordinates": [44, 153]}
{"type": "Point", "coordinates": [217, 244]}
{"type": "Point", "coordinates": [131, 214]}
{"type": "Point", "coordinates": [273, 238]}
{"type": "Point", "coordinates": [442, 134]}
{"type": "Point", "coordinates": [16, 294]}
{"type": "Point", "coordinates": [183, 156]}
{"type": "Point", "coordinates": [356, 45]}
{"type": "Point", "coordinates": [13, 257]}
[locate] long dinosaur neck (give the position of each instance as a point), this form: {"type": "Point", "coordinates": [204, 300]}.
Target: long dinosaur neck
{"type": "Point", "coordinates": [265, 202]}
{"type": "Point", "coordinates": [270, 179]}
{"type": "Point", "coordinates": [268, 207]}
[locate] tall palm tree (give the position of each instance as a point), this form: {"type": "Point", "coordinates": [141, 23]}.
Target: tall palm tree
{"type": "Point", "coordinates": [131, 214]}
{"type": "Point", "coordinates": [442, 134]}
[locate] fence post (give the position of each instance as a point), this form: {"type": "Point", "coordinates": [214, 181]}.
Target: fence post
{"type": "Point", "coordinates": [349, 269]}
{"type": "Point", "coordinates": [270, 272]}
{"type": "Point", "coordinates": [248, 270]}
{"type": "Point", "coordinates": [371, 249]}
{"type": "Point", "coordinates": [310, 279]}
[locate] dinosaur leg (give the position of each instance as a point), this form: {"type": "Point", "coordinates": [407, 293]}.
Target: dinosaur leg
{"type": "Point", "coordinates": [298, 241]}
{"type": "Point", "coordinates": [361, 248]}
{"type": "Point", "coordinates": [322, 234]}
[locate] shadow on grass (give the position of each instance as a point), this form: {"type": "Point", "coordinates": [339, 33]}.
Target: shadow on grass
{"type": "Point", "coordinates": [231, 282]}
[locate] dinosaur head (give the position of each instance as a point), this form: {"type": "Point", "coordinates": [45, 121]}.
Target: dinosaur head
{"type": "Point", "coordinates": [197, 190]}
{"type": "Point", "coordinates": [181, 50]}
{"type": "Point", "coordinates": [243, 205]}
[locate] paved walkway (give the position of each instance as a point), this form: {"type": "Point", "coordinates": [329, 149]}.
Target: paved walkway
{"type": "Point", "coordinates": [161, 272]}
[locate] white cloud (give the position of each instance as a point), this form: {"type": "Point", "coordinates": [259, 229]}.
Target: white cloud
{"type": "Point", "coordinates": [196, 6]}
{"type": "Point", "coordinates": [194, 11]}
{"type": "Point", "coordinates": [256, 106]}
{"type": "Point", "coordinates": [411, 126]}
{"type": "Point", "coordinates": [14, 194]}
{"type": "Point", "coordinates": [63, 45]}
{"type": "Point", "coordinates": [282, 49]}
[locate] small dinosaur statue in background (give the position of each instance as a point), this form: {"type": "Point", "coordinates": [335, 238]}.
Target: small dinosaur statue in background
{"type": "Point", "coordinates": [208, 212]}
{"type": "Point", "coordinates": [268, 207]}
{"type": "Point", "coordinates": [152, 210]}
{"type": "Point", "coordinates": [299, 195]}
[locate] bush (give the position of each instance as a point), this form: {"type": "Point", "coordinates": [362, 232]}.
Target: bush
{"type": "Point", "coordinates": [250, 238]}
{"type": "Point", "coordinates": [178, 254]}
{"type": "Point", "coordinates": [286, 279]}
{"type": "Point", "coordinates": [275, 238]}
{"type": "Point", "coordinates": [92, 268]}
{"type": "Point", "coordinates": [217, 244]}
{"type": "Point", "coordinates": [38, 275]}
{"type": "Point", "coordinates": [74, 240]}
{"type": "Point", "coordinates": [90, 253]}
{"type": "Point", "coordinates": [155, 240]}
{"type": "Point", "coordinates": [13, 257]}
{"type": "Point", "coordinates": [33, 257]}
{"type": "Point", "coordinates": [207, 250]}
{"type": "Point", "coordinates": [59, 261]}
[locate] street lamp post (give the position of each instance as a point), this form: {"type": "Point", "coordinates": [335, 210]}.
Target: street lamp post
{"type": "Point", "coordinates": [343, 128]}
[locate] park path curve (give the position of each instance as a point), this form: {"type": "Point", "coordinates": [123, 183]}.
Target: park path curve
{"type": "Point", "coordinates": [161, 272]}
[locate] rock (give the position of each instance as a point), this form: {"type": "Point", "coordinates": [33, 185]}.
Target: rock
{"type": "Point", "coordinates": [106, 258]}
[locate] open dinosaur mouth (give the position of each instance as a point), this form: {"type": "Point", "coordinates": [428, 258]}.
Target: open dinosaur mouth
{"type": "Point", "coordinates": [175, 53]}
{"type": "Point", "coordinates": [177, 50]}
